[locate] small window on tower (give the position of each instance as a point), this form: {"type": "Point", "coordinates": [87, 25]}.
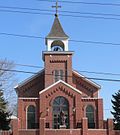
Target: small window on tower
{"type": "Point", "coordinates": [58, 75]}
{"type": "Point", "coordinates": [61, 75]}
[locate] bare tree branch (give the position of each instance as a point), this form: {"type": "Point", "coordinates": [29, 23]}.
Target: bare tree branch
{"type": "Point", "coordinates": [5, 81]}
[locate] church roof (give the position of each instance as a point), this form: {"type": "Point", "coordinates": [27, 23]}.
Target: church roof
{"type": "Point", "coordinates": [57, 30]}
{"type": "Point", "coordinates": [26, 81]}
{"type": "Point", "coordinates": [64, 83]}
{"type": "Point", "coordinates": [87, 80]}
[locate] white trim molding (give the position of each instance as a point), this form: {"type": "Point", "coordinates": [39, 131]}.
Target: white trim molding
{"type": "Point", "coordinates": [61, 81]}
{"type": "Point", "coordinates": [27, 98]}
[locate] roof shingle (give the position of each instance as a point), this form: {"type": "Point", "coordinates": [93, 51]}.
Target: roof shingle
{"type": "Point", "coordinates": [57, 30]}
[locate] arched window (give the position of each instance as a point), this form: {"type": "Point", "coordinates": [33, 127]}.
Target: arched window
{"type": "Point", "coordinates": [60, 112]}
{"type": "Point", "coordinates": [58, 75]}
{"type": "Point", "coordinates": [31, 117]}
{"type": "Point", "coordinates": [90, 116]}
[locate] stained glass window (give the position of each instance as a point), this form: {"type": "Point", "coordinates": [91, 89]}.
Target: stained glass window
{"type": "Point", "coordinates": [60, 108]}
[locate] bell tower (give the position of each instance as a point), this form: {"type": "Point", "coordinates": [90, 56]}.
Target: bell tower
{"type": "Point", "coordinates": [57, 57]}
{"type": "Point", "coordinates": [57, 40]}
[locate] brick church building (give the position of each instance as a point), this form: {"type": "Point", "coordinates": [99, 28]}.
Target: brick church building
{"type": "Point", "coordinates": [58, 99]}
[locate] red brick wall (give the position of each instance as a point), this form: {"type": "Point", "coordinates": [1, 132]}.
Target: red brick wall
{"type": "Point", "coordinates": [98, 110]}
{"type": "Point", "coordinates": [6, 133]}
{"type": "Point", "coordinates": [22, 108]}
{"type": "Point", "coordinates": [28, 132]}
{"type": "Point", "coordinates": [60, 61]}
{"type": "Point", "coordinates": [32, 88]}
{"type": "Point", "coordinates": [100, 113]}
{"type": "Point", "coordinates": [42, 131]}
{"type": "Point", "coordinates": [117, 132]}
{"type": "Point", "coordinates": [60, 90]}
{"type": "Point", "coordinates": [14, 126]}
{"type": "Point", "coordinates": [63, 132]}
{"type": "Point", "coordinates": [87, 89]}
{"type": "Point", "coordinates": [44, 103]}
{"type": "Point", "coordinates": [97, 132]}
{"type": "Point", "coordinates": [102, 132]}
{"type": "Point", "coordinates": [74, 101]}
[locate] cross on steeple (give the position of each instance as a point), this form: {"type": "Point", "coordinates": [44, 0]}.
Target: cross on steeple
{"type": "Point", "coordinates": [56, 6]}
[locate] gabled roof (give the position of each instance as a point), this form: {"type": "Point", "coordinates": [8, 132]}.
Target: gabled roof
{"type": "Point", "coordinates": [87, 80]}
{"type": "Point", "coordinates": [57, 30]}
{"type": "Point", "coordinates": [61, 81]}
{"type": "Point", "coordinates": [29, 79]}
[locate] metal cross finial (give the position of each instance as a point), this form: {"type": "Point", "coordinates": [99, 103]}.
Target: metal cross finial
{"type": "Point", "coordinates": [56, 6]}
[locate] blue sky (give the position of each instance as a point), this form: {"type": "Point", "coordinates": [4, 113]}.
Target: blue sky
{"type": "Point", "coordinates": [89, 57]}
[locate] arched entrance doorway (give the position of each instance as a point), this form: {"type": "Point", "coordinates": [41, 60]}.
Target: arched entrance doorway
{"type": "Point", "coordinates": [60, 113]}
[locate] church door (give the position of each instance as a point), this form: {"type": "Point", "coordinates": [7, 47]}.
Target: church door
{"type": "Point", "coordinates": [60, 113]}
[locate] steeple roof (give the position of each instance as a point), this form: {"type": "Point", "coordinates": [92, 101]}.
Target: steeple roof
{"type": "Point", "coordinates": [57, 30]}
